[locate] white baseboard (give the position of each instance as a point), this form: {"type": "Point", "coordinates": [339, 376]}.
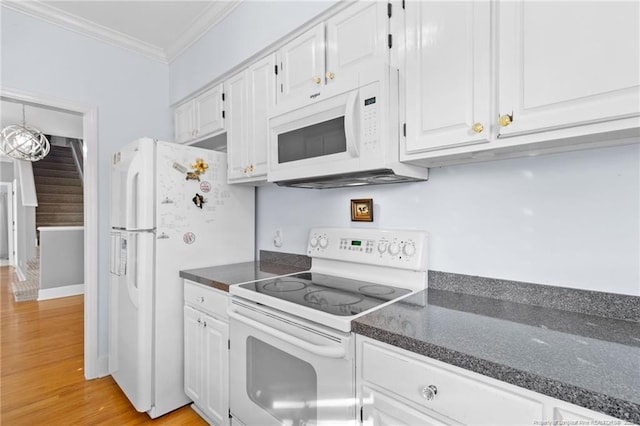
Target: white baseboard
{"type": "Point", "coordinates": [56, 292]}
{"type": "Point", "coordinates": [20, 274]}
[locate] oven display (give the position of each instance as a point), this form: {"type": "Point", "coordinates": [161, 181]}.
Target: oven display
{"type": "Point", "coordinates": [356, 243]}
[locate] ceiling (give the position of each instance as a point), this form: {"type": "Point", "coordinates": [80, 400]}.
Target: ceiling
{"type": "Point", "coordinates": [156, 28]}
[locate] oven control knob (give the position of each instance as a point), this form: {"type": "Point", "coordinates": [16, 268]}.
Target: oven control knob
{"type": "Point", "coordinates": [409, 249]}
{"type": "Point", "coordinates": [324, 242]}
{"type": "Point", "coordinates": [394, 249]}
{"type": "Point", "coordinates": [382, 247]}
{"type": "Point", "coordinates": [313, 242]}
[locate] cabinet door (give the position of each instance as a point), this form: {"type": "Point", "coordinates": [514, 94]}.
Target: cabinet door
{"type": "Point", "coordinates": [301, 66]}
{"type": "Point", "coordinates": [357, 45]}
{"type": "Point", "coordinates": [209, 111]}
{"type": "Point", "coordinates": [261, 100]}
{"type": "Point", "coordinates": [183, 117]}
{"type": "Point", "coordinates": [563, 64]}
{"type": "Point", "coordinates": [237, 125]}
{"type": "Point", "coordinates": [383, 410]}
{"type": "Point", "coordinates": [193, 354]}
{"type": "Point", "coordinates": [216, 368]}
{"type": "Point", "coordinates": [447, 74]}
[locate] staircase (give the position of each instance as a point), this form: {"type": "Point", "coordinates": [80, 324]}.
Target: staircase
{"type": "Point", "coordinates": [59, 189]}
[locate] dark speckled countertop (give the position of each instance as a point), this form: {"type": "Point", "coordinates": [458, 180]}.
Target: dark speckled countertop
{"type": "Point", "coordinates": [221, 277]}
{"type": "Point", "coordinates": [587, 360]}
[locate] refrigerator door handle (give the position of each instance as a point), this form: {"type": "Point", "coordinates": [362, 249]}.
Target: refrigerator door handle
{"type": "Point", "coordinates": [132, 270]}
{"type": "Point", "coordinates": [131, 193]}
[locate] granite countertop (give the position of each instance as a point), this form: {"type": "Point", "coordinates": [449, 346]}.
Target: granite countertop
{"type": "Point", "coordinates": [221, 277]}
{"type": "Point", "coordinates": [587, 360]}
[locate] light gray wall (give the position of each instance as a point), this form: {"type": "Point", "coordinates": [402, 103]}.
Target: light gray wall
{"type": "Point", "coordinates": [61, 257]}
{"type": "Point", "coordinates": [6, 171]}
{"type": "Point", "coordinates": [131, 93]}
{"type": "Point", "coordinates": [569, 220]}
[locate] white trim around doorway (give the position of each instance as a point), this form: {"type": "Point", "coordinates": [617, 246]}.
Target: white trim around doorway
{"type": "Point", "coordinates": [94, 365]}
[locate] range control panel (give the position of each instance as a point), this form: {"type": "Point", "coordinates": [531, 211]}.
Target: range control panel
{"type": "Point", "coordinates": [404, 249]}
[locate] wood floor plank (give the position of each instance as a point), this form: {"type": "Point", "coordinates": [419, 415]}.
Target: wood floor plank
{"type": "Point", "coordinates": [41, 369]}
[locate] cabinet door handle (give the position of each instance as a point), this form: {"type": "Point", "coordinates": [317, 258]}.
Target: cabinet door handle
{"type": "Point", "coordinates": [317, 80]}
{"type": "Point", "coordinates": [505, 120]}
{"type": "Point", "coordinates": [477, 128]}
{"type": "Point", "coordinates": [429, 392]}
{"type": "Point", "coordinates": [330, 75]}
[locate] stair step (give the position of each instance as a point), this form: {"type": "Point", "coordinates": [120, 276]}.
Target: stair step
{"type": "Point", "coordinates": [57, 181]}
{"type": "Point", "coordinates": [59, 207]}
{"type": "Point", "coordinates": [59, 198]}
{"type": "Point", "coordinates": [69, 174]}
{"type": "Point", "coordinates": [54, 166]}
{"type": "Point", "coordinates": [56, 218]}
{"type": "Point", "coordinates": [58, 189]}
{"type": "Point", "coordinates": [53, 159]}
{"type": "Point", "coordinates": [60, 223]}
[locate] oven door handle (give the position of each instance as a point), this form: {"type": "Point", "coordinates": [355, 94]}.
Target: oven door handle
{"type": "Point", "coordinates": [324, 351]}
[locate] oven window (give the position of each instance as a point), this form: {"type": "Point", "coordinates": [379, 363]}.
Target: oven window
{"type": "Point", "coordinates": [283, 385]}
{"type": "Point", "coordinates": [313, 141]}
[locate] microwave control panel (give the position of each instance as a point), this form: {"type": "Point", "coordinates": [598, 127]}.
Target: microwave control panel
{"type": "Point", "coordinates": [370, 122]}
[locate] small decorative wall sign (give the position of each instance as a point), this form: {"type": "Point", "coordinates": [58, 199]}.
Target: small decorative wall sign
{"type": "Point", "coordinates": [198, 200]}
{"type": "Point", "coordinates": [362, 210]}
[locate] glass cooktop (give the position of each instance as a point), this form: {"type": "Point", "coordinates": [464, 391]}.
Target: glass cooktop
{"type": "Point", "coordinates": [334, 295]}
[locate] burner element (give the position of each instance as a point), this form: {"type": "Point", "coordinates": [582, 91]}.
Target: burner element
{"type": "Point", "coordinates": [283, 285]}
{"type": "Point", "coordinates": [376, 290]}
{"type": "Point", "coordinates": [332, 298]}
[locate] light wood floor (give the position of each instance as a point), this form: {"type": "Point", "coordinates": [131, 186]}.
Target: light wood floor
{"type": "Point", "coordinates": [41, 369]}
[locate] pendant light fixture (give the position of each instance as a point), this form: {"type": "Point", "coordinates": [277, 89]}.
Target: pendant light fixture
{"type": "Point", "coordinates": [22, 142]}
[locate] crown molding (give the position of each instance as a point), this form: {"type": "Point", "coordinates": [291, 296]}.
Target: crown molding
{"type": "Point", "coordinates": [45, 12]}
{"type": "Point", "coordinates": [215, 13]}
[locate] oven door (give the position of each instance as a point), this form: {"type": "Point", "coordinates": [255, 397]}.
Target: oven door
{"type": "Point", "coordinates": [285, 371]}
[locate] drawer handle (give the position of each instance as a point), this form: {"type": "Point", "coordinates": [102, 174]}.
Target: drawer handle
{"type": "Point", "coordinates": [429, 392]}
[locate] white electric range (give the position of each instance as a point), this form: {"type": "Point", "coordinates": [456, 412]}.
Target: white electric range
{"type": "Point", "coordinates": [292, 352]}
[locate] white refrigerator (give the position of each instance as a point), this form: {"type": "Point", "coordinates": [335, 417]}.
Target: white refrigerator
{"type": "Point", "coordinates": [171, 209]}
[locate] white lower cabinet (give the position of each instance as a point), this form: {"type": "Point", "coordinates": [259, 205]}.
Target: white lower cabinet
{"type": "Point", "coordinates": [398, 387]}
{"type": "Point", "coordinates": [206, 352]}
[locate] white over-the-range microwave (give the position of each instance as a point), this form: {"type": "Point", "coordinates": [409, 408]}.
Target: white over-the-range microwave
{"type": "Point", "coordinates": [343, 139]}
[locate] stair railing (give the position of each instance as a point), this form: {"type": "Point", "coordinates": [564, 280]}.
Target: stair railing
{"type": "Point", "coordinates": [76, 151]}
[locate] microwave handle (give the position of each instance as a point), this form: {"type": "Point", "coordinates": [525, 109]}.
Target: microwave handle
{"type": "Point", "coordinates": [351, 123]}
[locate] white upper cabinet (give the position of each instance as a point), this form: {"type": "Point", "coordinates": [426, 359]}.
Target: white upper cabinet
{"type": "Point", "coordinates": [332, 57]}
{"type": "Point", "coordinates": [237, 115]}
{"type": "Point", "coordinates": [447, 64]}
{"type": "Point", "coordinates": [200, 117]}
{"type": "Point", "coordinates": [482, 80]}
{"type": "Point", "coordinates": [249, 99]}
{"type": "Point", "coordinates": [301, 65]}
{"type": "Point", "coordinates": [564, 64]}
{"type": "Point", "coordinates": [357, 44]}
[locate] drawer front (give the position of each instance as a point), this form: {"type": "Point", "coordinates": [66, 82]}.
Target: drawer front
{"type": "Point", "coordinates": [206, 299]}
{"type": "Point", "coordinates": [459, 397]}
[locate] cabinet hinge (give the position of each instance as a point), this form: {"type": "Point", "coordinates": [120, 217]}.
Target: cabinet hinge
{"type": "Point", "coordinates": [276, 69]}
{"type": "Point", "coordinates": [404, 129]}
{"type": "Point", "coordinates": [223, 97]}
{"type": "Point", "coordinates": [361, 415]}
{"type": "Point", "coordinates": [402, 4]}
{"type": "Point", "coordinates": [229, 411]}
{"type": "Point", "coordinates": [229, 344]}
{"type": "Point", "coordinates": [389, 10]}
{"type": "Point", "coordinates": [222, 113]}
{"type": "Point", "coordinates": [390, 41]}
